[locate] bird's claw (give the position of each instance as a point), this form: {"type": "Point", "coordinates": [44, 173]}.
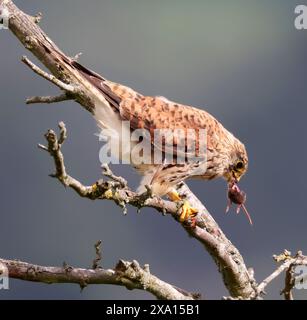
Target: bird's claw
{"type": "Point", "coordinates": [188, 214]}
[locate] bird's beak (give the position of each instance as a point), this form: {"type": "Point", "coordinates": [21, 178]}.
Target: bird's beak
{"type": "Point", "coordinates": [232, 177]}
{"type": "Point", "coordinates": [237, 176]}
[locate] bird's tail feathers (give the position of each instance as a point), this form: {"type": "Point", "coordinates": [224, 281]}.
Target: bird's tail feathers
{"type": "Point", "coordinates": [100, 83]}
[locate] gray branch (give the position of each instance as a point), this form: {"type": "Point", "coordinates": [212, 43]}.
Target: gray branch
{"type": "Point", "coordinates": [288, 265]}
{"type": "Point", "coordinates": [98, 257]}
{"type": "Point", "coordinates": [66, 87]}
{"type": "Point", "coordinates": [128, 274]}
{"type": "Point", "coordinates": [49, 99]}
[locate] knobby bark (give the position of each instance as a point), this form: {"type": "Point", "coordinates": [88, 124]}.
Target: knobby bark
{"type": "Point", "coordinates": [128, 274]}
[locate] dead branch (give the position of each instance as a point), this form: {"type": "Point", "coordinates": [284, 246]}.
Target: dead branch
{"type": "Point", "coordinates": [128, 274]}
{"type": "Point", "coordinates": [66, 87]}
{"type": "Point", "coordinates": [98, 257]}
{"type": "Point", "coordinates": [288, 265]}
{"type": "Point", "coordinates": [49, 99]}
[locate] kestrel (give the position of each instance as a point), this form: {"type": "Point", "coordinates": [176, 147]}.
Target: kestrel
{"type": "Point", "coordinates": [225, 155]}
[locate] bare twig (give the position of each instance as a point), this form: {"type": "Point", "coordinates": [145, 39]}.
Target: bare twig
{"type": "Point", "coordinates": [47, 76]}
{"type": "Point", "coordinates": [49, 99]}
{"type": "Point", "coordinates": [77, 56]}
{"type": "Point", "coordinates": [98, 257]}
{"type": "Point", "coordinates": [109, 174]}
{"type": "Point", "coordinates": [273, 276]}
{"type": "Point", "coordinates": [288, 264]}
{"type": "Point", "coordinates": [63, 133]}
{"type": "Point", "coordinates": [38, 17]}
{"type": "Point", "coordinates": [127, 274]}
{"type": "Point", "coordinates": [116, 189]}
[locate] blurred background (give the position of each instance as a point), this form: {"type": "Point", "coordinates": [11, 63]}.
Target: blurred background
{"type": "Point", "coordinates": [243, 61]}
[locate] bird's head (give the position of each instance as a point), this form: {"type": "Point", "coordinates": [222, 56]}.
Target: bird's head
{"type": "Point", "coordinates": [238, 163]}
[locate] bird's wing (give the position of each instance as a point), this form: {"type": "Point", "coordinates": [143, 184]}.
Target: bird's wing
{"type": "Point", "coordinates": [153, 113]}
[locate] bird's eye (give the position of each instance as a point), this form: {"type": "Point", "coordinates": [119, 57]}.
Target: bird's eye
{"type": "Point", "coordinates": [239, 165]}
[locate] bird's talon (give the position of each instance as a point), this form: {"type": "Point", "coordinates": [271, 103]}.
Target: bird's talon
{"type": "Point", "coordinates": [174, 196]}
{"type": "Point", "coordinates": [188, 213]}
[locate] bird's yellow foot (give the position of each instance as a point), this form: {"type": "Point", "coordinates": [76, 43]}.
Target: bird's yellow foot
{"type": "Point", "coordinates": [174, 196]}
{"type": "Point", "coordinates": [94, 187]}
{"type": "Point", "coordinates": [188, 213]}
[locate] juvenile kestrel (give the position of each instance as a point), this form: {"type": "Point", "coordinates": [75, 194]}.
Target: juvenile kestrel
{"type": "Point", "coordinates": [225, 155]}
